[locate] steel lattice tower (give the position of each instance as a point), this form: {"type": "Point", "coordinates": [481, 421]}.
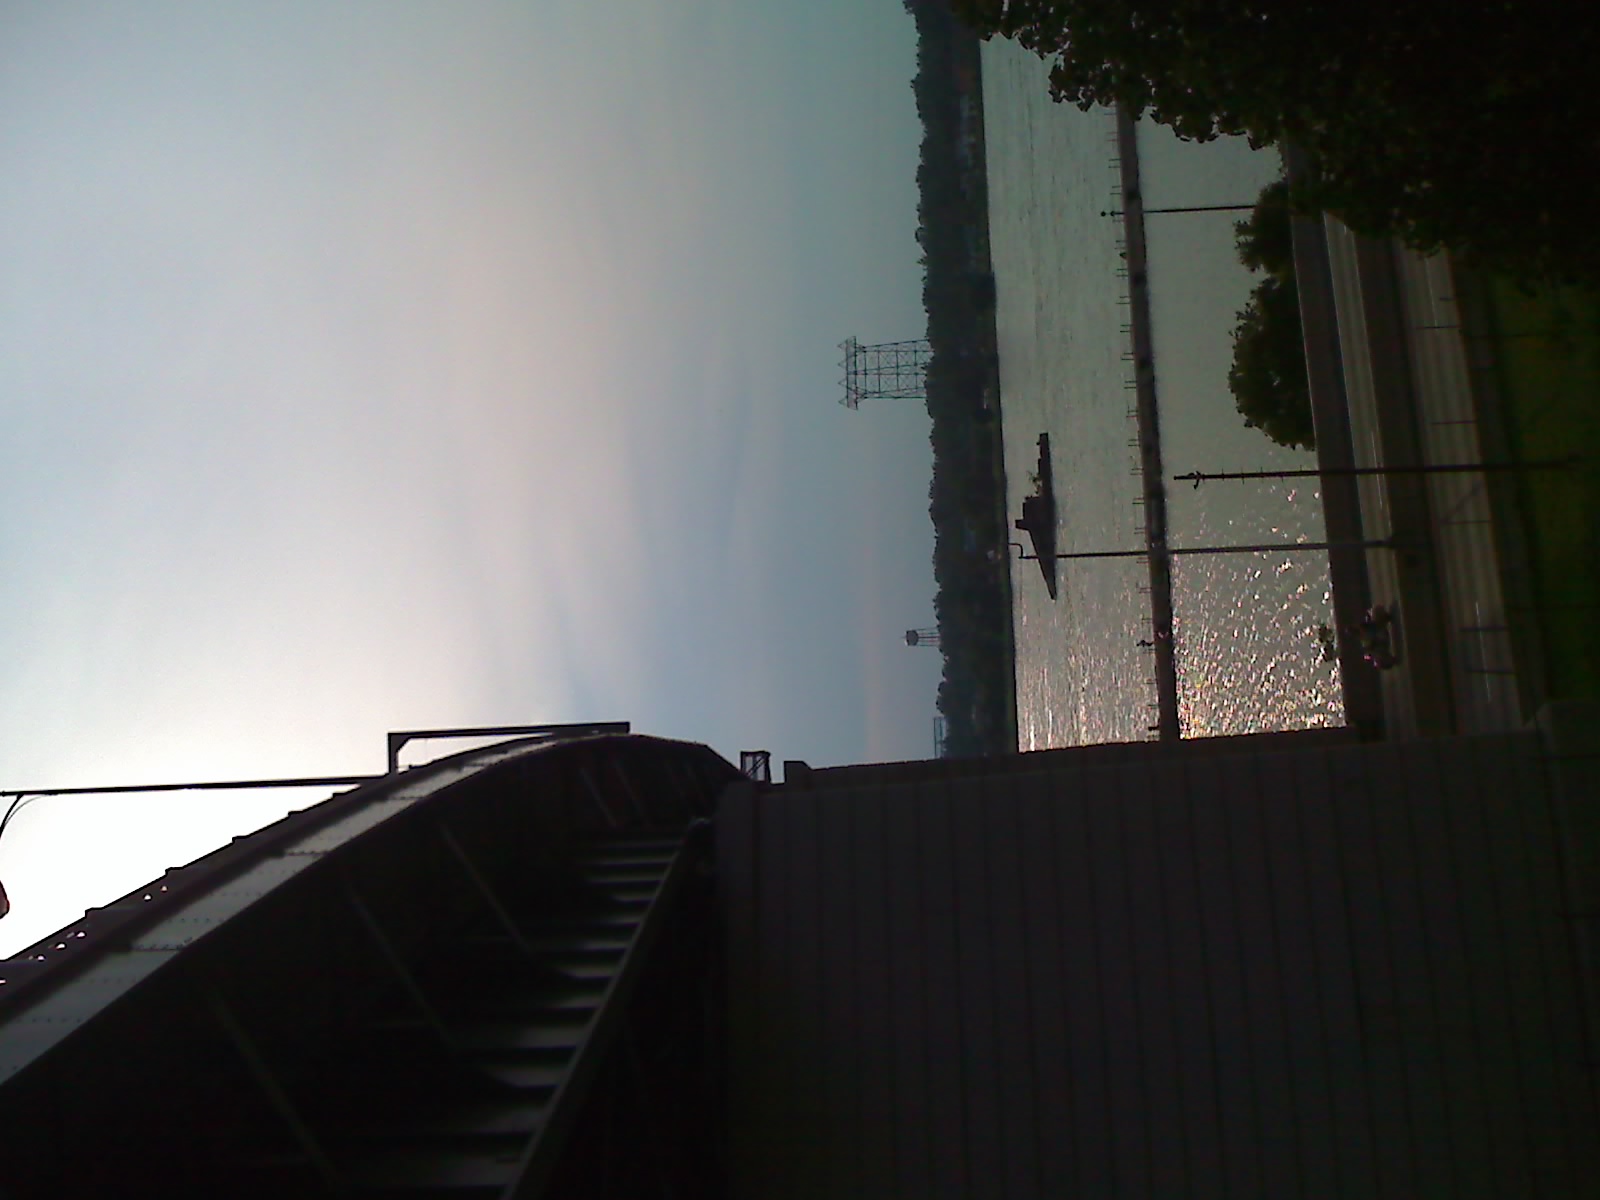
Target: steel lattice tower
{"type": "Point", "coordinates": [884, 371]}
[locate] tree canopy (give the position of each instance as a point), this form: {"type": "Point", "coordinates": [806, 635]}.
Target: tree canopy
{"type": "Point", "coordinates": [1263, 238]}
{"type": "Point", "coordinates": [1469, 124]}
{"type": "Point", "coordinates": [1268, 377]}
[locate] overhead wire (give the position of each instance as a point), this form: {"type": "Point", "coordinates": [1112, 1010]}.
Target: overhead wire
{"type": "Point", "coordinates": [18, 802]}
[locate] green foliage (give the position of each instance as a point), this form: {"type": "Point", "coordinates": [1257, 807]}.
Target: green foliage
{"type": "Point", "coordinates": [1264, 239]}
{"type": "Point", "coordinates": [1466, 124]}
{"type": "Point", "coordinates": [1546, 350]}
{"type": "Point", "coordinates": [1268, 377]}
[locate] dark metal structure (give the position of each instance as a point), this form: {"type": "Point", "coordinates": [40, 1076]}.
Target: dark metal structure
{"type": "Point", "coordinates": [884, 371]}
{"type": "Point", "coordinates": [1285, 964]}
{"type": "Point", "coordinates": [1271, 966]}
{"type": "Point", "coordinates": [397, 739]}
{"type": "Point", "coordinates": [490, 976]}
{"type": "Point", "coordinates": [756, 765]}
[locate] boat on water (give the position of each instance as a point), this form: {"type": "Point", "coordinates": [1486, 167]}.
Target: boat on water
{"type": "Point", "coordinates": [1038, 518]}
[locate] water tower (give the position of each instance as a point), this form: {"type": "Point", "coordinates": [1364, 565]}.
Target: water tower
{"type": "Point", "coordinates": [923, 637]}
{"type": "Point", "coordinates": [884, 371]}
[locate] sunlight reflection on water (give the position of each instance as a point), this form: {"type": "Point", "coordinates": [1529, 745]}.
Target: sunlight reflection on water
{"type": "Point", "coordinates": [1248, 658]}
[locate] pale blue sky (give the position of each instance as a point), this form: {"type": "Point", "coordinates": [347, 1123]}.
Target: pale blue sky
{"type": "Point", "coordinates": [372, 365]}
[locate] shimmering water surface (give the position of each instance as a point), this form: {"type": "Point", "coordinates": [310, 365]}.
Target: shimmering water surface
{"type": "Point", "coordinates": [1247, 655]}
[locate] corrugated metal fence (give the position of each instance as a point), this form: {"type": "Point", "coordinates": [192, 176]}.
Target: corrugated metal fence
{"type": "Point", "coordinates": [1324, 972]}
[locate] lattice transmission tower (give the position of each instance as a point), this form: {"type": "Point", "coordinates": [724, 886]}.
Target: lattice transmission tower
{"type": "Point", "coordinates": [884, 371]}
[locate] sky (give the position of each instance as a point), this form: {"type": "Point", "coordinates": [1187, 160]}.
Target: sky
{"type": "Point", "coordinates": [384, 365]}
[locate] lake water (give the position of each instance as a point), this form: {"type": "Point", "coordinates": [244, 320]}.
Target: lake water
{"type": "Point", "coordinates": [1247, 655]}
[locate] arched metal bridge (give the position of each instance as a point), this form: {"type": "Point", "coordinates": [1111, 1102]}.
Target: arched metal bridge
{"type": "Point", "coordinates": [489, 976]}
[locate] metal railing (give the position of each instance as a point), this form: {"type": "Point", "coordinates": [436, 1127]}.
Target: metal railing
{"type": "Point", "coordinates": [756, 765]}
{"type": "Point", "coordinates": [400, 737]}
{"type": "Point", "coordinates": [395, 741]}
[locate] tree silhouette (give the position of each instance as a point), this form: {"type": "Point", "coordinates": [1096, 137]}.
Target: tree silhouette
{"type": "Point", "coordinates": [1264, 239]}
{"type": "Point", "coordinates": [1268, 377]}
{"type": "Point", "coordinates": [1460, 123]}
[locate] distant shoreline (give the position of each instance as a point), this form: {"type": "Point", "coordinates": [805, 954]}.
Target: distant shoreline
{"type": "Point", "coordinates": [967, 498]}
